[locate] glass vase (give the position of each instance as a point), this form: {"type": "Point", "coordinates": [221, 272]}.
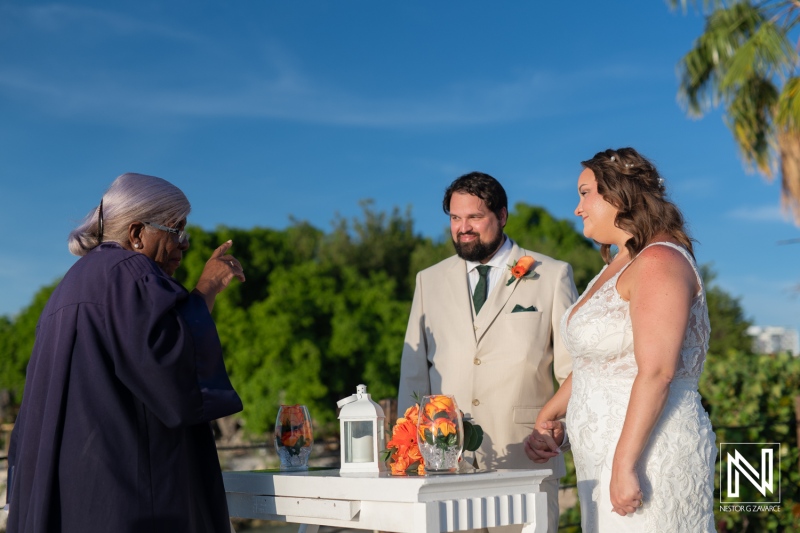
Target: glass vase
{"type": "Point", "coordinates": [440, 433]}
{"type": "Point", "coordinates": [293, 437]}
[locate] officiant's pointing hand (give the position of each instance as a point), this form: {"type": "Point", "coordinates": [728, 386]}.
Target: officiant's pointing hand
{"type": "Point", "coordinates": [218, 272]}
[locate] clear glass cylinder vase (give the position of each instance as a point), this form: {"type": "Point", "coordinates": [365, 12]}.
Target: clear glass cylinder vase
{"type": "Point", "coordinates": [440, 433]}
{"type": "Point", "coordinates": [293, 437]}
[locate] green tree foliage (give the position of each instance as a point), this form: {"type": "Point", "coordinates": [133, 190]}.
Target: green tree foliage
{"type": "Point", "coordinates": [16, 343]}
{"type": "Point", "coordinates": [728, 323]}
{"type": "Point", "coordinates": [535, 229]}
{"type": "Point", "coordinates": [750, 398]}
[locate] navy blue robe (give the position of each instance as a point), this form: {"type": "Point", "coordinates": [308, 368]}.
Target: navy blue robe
{"type": "Point", "coordinates": [113, 434]}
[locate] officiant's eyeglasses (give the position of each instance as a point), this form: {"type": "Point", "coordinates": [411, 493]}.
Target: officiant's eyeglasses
{"type": "Point", "coordinates": [183, 236]}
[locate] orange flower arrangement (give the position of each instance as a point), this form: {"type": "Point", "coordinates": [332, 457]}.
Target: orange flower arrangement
{"type": "Point", "coordinates": [293, 430]}
{"type": "Point", "coordinates": [402, 451]}
{"type": "Point", "coordinates": [522, 269]}
{"type": "Point", "coordinates": [403, 448]}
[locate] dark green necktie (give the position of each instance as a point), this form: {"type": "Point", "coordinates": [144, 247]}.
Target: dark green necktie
{"type": "Point", "coordinates": [481, 289]}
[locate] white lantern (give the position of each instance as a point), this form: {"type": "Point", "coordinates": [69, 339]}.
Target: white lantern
{"type": "Point", "coordinates": [362, 437]}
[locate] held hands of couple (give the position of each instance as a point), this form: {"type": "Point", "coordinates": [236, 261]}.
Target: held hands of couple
{"type": "Point", "coordinates": [217, 274]}
{"type": "Point", "coordinates": [545, 441]}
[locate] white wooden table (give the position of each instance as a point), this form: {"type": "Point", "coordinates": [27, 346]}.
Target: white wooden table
{"type": "Point", "coordinates": [399, 504]}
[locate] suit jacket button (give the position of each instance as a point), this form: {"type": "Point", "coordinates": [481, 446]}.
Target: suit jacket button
{"type": "Point", "coordinates": [477, 361]}
{"type": "Point", "coordinates": [476, 402]}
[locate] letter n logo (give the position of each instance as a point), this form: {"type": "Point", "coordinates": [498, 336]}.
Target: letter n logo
{"type": "Point", "coordinates": [748, 472]}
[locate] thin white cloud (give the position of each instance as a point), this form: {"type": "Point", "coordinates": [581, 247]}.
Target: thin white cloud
{"type": "Point", "coordinates": [761, 213]}
{"type": "Point", "coordinates": [692, 186]}
{"type": "Point", "coordinates": [291, 95]}
{"type": "Point", "coordinates": [60, 17]}
{"type": "Point", "coordinates": [210, 82]}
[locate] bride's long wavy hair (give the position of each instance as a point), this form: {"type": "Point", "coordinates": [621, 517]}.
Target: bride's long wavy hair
{"type": "Point", "coordinates": [630, 182]}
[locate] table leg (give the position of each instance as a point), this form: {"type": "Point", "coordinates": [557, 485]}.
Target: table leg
{"type": "Point", "coordinates": [308, 528]}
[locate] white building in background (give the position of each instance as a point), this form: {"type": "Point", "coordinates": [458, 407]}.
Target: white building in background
{"type": "Point", "coordinates": [773, 339]}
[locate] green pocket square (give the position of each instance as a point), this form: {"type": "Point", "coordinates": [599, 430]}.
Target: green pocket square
{"type": "Point", "coordinates": [519, 309]}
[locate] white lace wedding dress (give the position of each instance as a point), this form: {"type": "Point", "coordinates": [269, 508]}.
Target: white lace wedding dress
{"type": "Point", "coordinates": [676, 469]}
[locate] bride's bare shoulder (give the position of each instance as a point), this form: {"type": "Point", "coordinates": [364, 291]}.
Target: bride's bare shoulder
{"type": "Point", "coordinates": [657, 268]}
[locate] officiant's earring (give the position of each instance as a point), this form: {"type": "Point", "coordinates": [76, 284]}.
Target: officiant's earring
{"type": "Point", "coordinates": [137, 245]}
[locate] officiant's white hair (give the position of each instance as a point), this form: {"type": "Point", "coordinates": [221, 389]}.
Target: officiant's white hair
{"type": "Point", "coordinates": [130, 198]}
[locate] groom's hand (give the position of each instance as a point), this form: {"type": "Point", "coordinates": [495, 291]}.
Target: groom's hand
{"type": "Point", "coordinates": [544, 441]}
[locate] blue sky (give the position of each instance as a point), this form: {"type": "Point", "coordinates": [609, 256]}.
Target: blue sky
{"type": "Point", "coordinates": [261, 110]}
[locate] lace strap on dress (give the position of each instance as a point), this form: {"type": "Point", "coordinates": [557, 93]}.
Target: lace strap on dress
{"type": "Point", "coordinates": [685, 254]}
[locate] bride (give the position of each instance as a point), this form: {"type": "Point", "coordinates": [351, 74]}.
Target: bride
{"type": "Point", "coordinates": [643, 445]}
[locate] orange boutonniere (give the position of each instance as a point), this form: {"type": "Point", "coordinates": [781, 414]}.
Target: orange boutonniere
{"type": "Point", "coordinates": [523, 269]}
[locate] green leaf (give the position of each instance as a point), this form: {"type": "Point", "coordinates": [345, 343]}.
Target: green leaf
{"type": "Point", "coordinates": [473, 435]}
{"type": "Point", "coordinates": [387, 454]}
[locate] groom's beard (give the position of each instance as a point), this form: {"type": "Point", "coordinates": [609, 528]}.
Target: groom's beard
{"type": "Point", "coordinates": [477, 250]}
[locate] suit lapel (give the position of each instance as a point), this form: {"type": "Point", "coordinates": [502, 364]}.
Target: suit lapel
{"type": "Point", "coordinates": [458, 290]}
{"type": "Point", "coordinates": [497, 298]}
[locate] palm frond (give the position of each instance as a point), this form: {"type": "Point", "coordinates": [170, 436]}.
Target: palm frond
{"type": "Point", "coordinates": [765, 53]}
{"type": "Point", "coordinates": [745, 58]}
{"type": "Point", "coordinates": [749, 116]}
{"type": "Point", "coordinates": [702, 70]}
{"type": "Point", "coordinates": [787, 114]}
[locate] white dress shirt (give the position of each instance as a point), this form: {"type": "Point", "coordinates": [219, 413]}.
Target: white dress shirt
{"type": "Point", "coordinates": [498, 273]}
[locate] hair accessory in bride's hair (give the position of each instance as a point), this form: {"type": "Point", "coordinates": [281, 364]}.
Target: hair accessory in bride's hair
{"type": "Point", "coordinates": [613, 158]}
{"type": "Point", "coordinates": [628, 165]}
{"type": "Point", "coordinates": [660, 182]}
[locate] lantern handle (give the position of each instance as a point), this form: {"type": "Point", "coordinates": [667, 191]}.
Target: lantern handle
{"type": "Point", "coordinates": [361, 390]}
{"type": "Point", "coordinates": [344, 401]}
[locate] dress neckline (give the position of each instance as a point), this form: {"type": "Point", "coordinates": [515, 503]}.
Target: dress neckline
{"type": "Point", "coordinates": [581, 303]}
{"type": "Point", "coordinates": [572, 312]}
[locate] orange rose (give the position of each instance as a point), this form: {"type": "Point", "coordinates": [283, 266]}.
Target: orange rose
{"type": "Point", "coordinates": [412, 414]}
{"type": "Point", "coordinates": [437, 404]}
{"type": "Point", "coordinates": [421, 468]}
{"type": "Point", "coordinates": [292, 415]}
{"type": "Point", "coordinates": [400, 464]}
{"type": "Point", "coordinates": [443, 427]}
{"type": "Point", "coordinates": [414, 454]}
{"type": "Point", "coordinates": [523, 266]}
{"type": "Point", "coordinates": [290, 438]}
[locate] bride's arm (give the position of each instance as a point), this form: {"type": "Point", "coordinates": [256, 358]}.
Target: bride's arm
{"type": "Point", "coordinates": [548, 433]}
{"type": "Point", "coordinates": [660, 285]}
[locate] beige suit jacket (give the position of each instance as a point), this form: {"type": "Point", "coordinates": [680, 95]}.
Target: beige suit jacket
{"type": "Point", "coordinates": [500, 367]}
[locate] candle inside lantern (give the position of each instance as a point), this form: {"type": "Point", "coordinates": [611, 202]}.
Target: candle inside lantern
{"type": "Point", "coordinates": [362, 449]}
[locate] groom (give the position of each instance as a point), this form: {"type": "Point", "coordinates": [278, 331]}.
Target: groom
{"type": "Point", "coordinates": [486, 337]}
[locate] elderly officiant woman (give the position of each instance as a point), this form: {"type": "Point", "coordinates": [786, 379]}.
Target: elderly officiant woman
{"type": "Point", "coordinates": [126, 374]}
